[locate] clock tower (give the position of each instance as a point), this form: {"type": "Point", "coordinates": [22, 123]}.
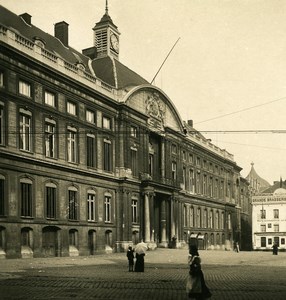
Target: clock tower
{"type": "Point", "coordinates": [106, 36]}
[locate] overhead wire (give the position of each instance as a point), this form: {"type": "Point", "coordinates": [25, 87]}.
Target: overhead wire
{"type": "Point", "coordinates": [242, 110]}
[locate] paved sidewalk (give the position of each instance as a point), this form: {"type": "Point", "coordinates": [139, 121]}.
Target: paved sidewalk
{"type": "Point", "coordinates": [230, 275]}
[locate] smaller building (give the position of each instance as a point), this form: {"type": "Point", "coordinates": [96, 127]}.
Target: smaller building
{"type": "Point", "coordinates": [269, 219]}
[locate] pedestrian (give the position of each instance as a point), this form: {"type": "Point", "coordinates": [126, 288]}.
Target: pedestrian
{"type": "Point", "coordinates": [236, 247]}
{"type": "Point", "coordinates": [196, 287]}
{"type": "Point", "coordinates": [139, 264]}
{"type": "Point", "coordinates": [130, 257]}
{"type": "Point", "coordinates": [140, 250]}
{"type": "Point", "coordinates": [275, 249]}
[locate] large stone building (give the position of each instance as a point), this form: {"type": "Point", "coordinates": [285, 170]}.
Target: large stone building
{"type": "Point", "coordinates": [93, 157]}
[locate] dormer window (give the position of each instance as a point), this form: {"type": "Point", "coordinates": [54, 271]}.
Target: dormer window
{"type": "Point", "coordinates": [39, 42]}
{"type": "Point", "coordinates": [80, 66]}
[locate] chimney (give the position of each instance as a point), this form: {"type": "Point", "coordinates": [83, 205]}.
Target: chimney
{"type": "Point", "coordinates": [90, 52]}
{"type": "Point", "coordinates": [190, 123]}
{"type": "Point", "coordinates": [27, 18]}
{"type": "Point", "coordinates": [62, 32]}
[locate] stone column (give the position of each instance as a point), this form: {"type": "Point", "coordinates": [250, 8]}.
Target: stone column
{"type": "Point", "coordinates": [147, 217]}
{"type": "Point", "coordinates": [162, 158]}
{"type": "Point", "coordinates": [163, 224]}
{"type": "Point", "coordinates": [173, 217]}
{"type": "Point", "coordinates": [151, 202]}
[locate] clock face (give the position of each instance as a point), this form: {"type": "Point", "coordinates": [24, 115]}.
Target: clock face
{"type": "Point", "coordinates": [114, 42]}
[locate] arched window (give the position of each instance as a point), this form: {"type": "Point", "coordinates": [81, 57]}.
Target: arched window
{"type": "Point", "coordinates": [51, 200]}
{"type": "Point", "coordinates": [91, 206]}
{"type": "Point", "coordinates": [26, 196]}
{"type": "Point", "coordinates": [73, 206]}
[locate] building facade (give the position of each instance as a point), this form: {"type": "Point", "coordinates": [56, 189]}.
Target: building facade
{"type": "Point", "coordinates": [94, 158]}
{"type": "Point", "coordinates": [269, 220]}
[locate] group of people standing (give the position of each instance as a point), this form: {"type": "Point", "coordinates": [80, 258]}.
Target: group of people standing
{"type": "Point", "coordinates": [139, 252]}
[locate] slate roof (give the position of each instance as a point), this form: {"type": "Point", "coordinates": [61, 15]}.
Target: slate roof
{"type": "Point", "coordinates": [257, 181]}
{"type": "Point", "coordinates": [275, 186]}
{"type": "Point", "coordinates": [103, 67]}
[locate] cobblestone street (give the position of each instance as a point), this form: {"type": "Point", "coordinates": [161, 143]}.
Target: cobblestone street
{"type": "Point", "coordinates": [229, 275]}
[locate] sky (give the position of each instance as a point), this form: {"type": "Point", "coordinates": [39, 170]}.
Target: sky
{"type": "Point", "coordinates": [227, 71]}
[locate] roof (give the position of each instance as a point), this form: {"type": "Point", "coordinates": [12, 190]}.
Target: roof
{"type": "Point", "coordinates": [107, 69]}
{"type": "Point", "coordinates": [257, 182]}
{"type": "Point", "coordinates": [276, 187]}
{"type": "Point", "coordinates": [110, 70]}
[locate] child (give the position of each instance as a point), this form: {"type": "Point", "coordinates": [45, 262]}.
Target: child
{"type": "Point", "coordinates": [130, 257]}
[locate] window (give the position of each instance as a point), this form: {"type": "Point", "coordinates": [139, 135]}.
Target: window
{"type": "Point", "coordinates": [263, 241]}
{"type": "Point", "coordinates": [24, 88]}
{"type": "Point", "coordinates": [229, 222]}
{"type": "Point", "coordinates": [199, 222]}
{"type": "Point", "coordinates": [185, 216]}
{"type": "Point", "coordinates": [191, 180]}
{"type": "Point", "coordinates": [276, 227]}
{"type": "Point", "coordinates": [211, 219]}
{"type": "Point", "coordinates": [2, 193]}
{"type": "Point", "coordinates": [198, 180]}
{"type": "Point", "coordinates": [1, 79]}
{"type": "Point", "coordinates": [269, 241]}
{"type": "Point", "coordinates": [25, 130]}
{"type": "Point", "coordinates": [151, 164]}
{"type": "Point", "coordinates": [184, 155]}
{"type": "Point", "coordinates": [222, 220]}
{"type": "Point", "coordinates": [91, 209]}
{"type": "Point", "coordinates": [134, 211]}
{"type": "Point", "coordinates": [50, 131]}
{"type": "Point", "coordinates": [184, 178]}
{"type": "Point", "coordinates": [2, 123]}
{"type": "Point", "coordinates": [192, 217]}
{"type": "Point", "coordinates": [134, 162]}
{"type": "Point", "coordinates": [106, 123]}
{"type": "Point", "coordinates": [90, 116]}
{"type": "Point", "coordinates": [205, 184]}
{"type": "Point", "coordinates": [276, 213]}
{"type": "Point", "coordinates": [263, 214]}
{"type": "Point", "coordinates": [50, 99]}
{"type": "Point", "coordinates": [174, 148]}
{"type": "Point", "coordinates": [269, 225]}
{"type": "Point", "coordinates": [282, 241]}
{"type": "Point", "coordinates": [90, 150]}
{"type": "Point", "coordinates": [191, 158]}
{"type": "Point", "coordinates": [71, 108]}
{"type": "Point", "coordinates": [26, 198]}
{"type": "Point", "coordinates": [51, 201]}
{"type": "Point", "coordinates": [73, 204]}
{"type": "Point", "coordinates": [107, 155]}
{"type": "Point", "coordinates": [133, 131]}
{"type": "Point", "coordinates": [198, 162]}
{"type": "Point", "coordinates": [107, 208]}
{"type": "Point", "coordinates": [211, 187]}
{"type": "Point", "coordinates": [205, 219]}
{"type": "Point", "coordinates": [72, 144]}
{"type": "Point", "coordinates": [174, 170]}
{"type": "Point", "coordinates": [217, 220]}
{"type": "Point", "coordinates": [263, 228]}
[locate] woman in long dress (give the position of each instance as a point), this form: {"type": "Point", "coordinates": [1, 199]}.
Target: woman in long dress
{"type": "Point", "coordinates": [139, 264]}
{"type": "Point", "coordinates": [196, 287]}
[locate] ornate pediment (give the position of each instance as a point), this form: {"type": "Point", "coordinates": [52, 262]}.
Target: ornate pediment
{"type": "Point", "coordinates": [156, 109]}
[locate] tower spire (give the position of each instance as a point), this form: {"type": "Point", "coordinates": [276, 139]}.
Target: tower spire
{"type": "Point", "coordinates": [106, 7]}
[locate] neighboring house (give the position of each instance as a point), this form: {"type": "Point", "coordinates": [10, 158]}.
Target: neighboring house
{"type": "Point", "coordinates": [269, 219]}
